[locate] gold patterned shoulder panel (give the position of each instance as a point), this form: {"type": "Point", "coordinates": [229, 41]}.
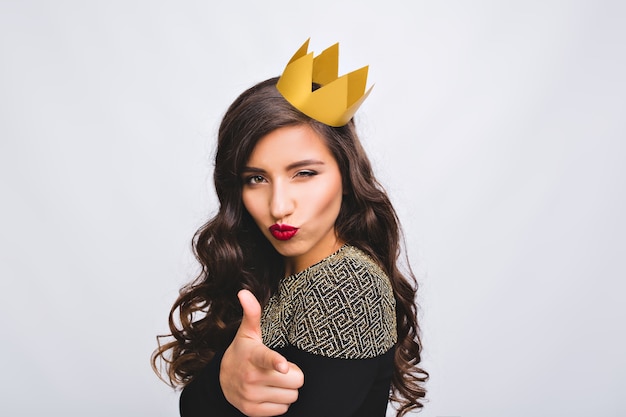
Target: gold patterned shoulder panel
{"type": "Point", "coordinates": [341, 307]}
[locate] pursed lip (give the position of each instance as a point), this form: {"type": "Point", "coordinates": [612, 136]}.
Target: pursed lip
{"type": "Point", "coordinates": [283, 231]}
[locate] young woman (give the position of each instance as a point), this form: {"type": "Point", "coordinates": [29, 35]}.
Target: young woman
{"type": "Point", "coordinates": [304, 228]}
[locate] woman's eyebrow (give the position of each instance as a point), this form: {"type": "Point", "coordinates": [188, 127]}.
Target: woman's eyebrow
{"type": "Point", "coordinates": [293, 165]}
{"type": "Point", "coordinates": [252, 170]}
{"type": "Point", "coordinates": [304, 162]}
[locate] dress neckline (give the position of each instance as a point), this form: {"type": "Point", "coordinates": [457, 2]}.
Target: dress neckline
{"type": "Point", "coordinates": [321, 261]}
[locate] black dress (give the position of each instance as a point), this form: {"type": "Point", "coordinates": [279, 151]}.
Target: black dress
{"type": "Point", "coordinates": [336, 321]}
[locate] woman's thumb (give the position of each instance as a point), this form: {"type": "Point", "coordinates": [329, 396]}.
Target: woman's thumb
{"type": "Point", "coordinates": [251, 322]}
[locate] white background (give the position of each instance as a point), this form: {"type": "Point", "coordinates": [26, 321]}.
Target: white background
{"type": "Point", "coordinates": [497, 127]}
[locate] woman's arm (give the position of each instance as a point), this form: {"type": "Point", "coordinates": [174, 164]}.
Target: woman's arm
{"type": "Point", "coordinates": [333, 388]}
{"type": "Point", "coordinates": [248, 377]}
{"type": "Point", "coordinates": [341, 387]}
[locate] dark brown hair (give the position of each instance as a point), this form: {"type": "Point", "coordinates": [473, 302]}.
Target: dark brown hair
{"type": "Point", "coordinates": [234, 254]}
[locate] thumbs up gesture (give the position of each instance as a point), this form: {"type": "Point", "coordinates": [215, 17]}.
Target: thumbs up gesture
{"type": "Point", "coordinates": [255, 379]}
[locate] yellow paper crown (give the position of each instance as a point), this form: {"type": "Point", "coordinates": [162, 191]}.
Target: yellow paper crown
{"type": "Point", "coordinates": [338, 98]}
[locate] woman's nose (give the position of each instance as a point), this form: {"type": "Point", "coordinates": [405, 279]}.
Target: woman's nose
{"type": "Point", "coordinates": [281, 204]}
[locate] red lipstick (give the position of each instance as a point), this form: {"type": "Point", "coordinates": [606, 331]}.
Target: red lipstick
{"type": "Point", "coordinates": [283, 231]}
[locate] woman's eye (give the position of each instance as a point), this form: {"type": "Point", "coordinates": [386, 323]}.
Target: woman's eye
{"type": "Point", "coordinates": [255, 179]}
{"type": "Point", "coordinates": [306, 173]}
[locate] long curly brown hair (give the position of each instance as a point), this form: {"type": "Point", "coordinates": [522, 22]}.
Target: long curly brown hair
{"type": "Point", "coordinates": [233, 253]}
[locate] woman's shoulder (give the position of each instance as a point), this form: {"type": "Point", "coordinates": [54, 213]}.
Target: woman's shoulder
{"type": "Point", "coordinates": [345, 308]}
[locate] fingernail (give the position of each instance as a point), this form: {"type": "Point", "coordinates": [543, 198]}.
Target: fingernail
{"type": "Point", "coordinates": [283, 368]}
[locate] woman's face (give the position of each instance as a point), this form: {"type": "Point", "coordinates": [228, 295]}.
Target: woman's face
{"type": "Point", "coordinates": [292, 189]}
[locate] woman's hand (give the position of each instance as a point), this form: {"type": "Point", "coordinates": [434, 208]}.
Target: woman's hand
{"type": "Point", "coordinates": [258, 381]}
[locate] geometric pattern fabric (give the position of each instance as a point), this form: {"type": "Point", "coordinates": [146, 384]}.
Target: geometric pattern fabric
{"type": "Point", "coordinates": [341, 307]}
